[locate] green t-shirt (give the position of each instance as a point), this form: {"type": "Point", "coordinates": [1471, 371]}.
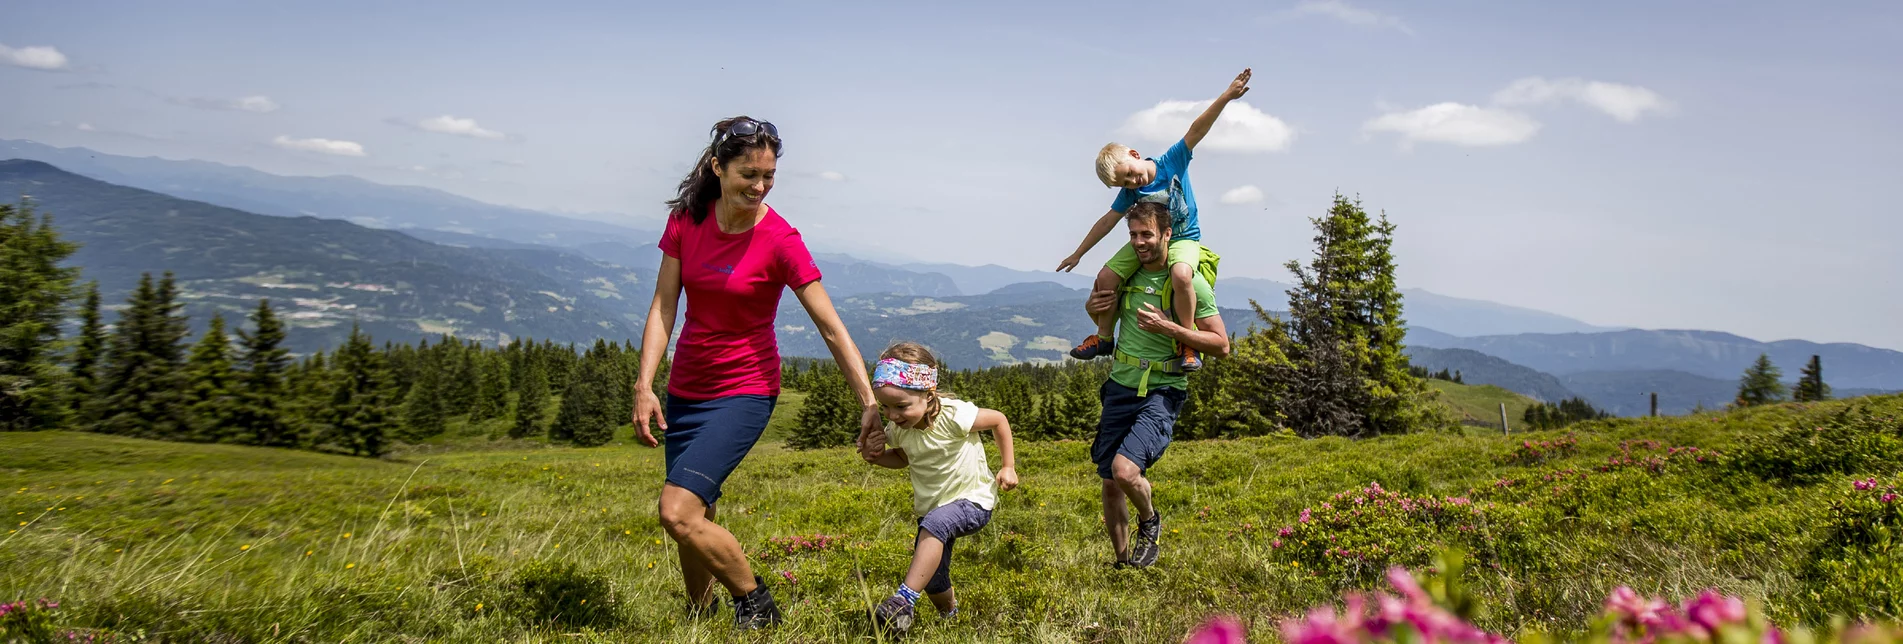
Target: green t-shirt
{"type": "Point", "coordinates": [1143, 344]}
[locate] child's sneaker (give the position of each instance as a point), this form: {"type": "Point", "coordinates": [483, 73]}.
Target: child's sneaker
{"type": "Point", "coordinates": [1143, 553]}
{"type": "Point", "coordinates": [756, 609]}
{"type": "Point", "coordinates": [894, 614]}
{"type": "Point", "coordinates": [1186, 358]}
{"type": "Point", "coordinates": [1094, 347]}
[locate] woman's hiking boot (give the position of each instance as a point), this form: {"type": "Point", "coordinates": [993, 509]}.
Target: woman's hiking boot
{"type": "Point", "coordinates": [1144, 552]}
{"type": "Point", "coordinates": [757, 609]}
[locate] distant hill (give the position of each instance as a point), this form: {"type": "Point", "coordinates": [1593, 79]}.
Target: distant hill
{"type": "Point", "coordinates": [1708, 354]}
{"type": "Point", "coordinates": [335, 197]}
{"type": "Point", "coordinates": [1477, 368]}
{"type": "Point", "coordinates": [322, 274]}
{"type": "Point", "coordinates": [1628, 393]}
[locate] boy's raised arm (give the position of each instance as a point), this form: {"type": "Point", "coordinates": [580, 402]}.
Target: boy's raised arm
{"type": "Point", "coordinates": [1199, 128]}
{"type": "Point", "coordinates": [1097, 232]}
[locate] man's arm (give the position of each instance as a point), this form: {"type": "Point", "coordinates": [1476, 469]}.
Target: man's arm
{"type": "Point", "coordinates": [1097, 232]}
{"type": "Point", "coordinates": [1209, 337]}
{"type": "Point", "coordinates": [1199, 128]}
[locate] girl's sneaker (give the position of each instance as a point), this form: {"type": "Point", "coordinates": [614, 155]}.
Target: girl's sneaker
{"type": "Point", "coordinates": [894, 614]}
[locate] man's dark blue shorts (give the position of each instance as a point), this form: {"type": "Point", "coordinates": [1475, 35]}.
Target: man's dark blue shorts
{"type": "Point", "coordinates": [707, 438]}
{"type": "Point", "coordinates": [1138, 428]}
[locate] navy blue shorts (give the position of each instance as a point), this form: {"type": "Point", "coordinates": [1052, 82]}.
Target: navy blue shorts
{"type": "Point", "coordinates": [960, 518]}
{"type": "Point", "coordinates": [707, 438]}
{"type": "Point", "coordinates": [1138, 428]}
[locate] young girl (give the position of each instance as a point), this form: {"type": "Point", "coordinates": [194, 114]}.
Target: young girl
{"type": "Point", "coordinates": [953, 494]}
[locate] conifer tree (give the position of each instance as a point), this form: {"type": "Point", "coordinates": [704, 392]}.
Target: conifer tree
{"type": "Point", "coordinates": [829, 417]}
{"type": "Point", "coordinates": [531, 401]}
{"type": "Point", "coordinates": [34, 291]}
{"type": "Point", "coordinates": [587, 406]}
{"type": "Point", "coordinates": [1761, 383]}
{"type": "Point", "coordinates": [360, 409]}
{"type": "Point", "coordinates": [1810, 382]}
{"type": "Point", "coordinates": [214, 397]}
{"type": "Point", "coordinates": [87, 354]}
{"type": "Point", "coordinates": [492, 387]}
{"type": "Point", "coordinates": [262, 418]}
{"type": "Point", "coordinates": [423, 413]}
{"type": "Point", "coordinates": [143, 388]}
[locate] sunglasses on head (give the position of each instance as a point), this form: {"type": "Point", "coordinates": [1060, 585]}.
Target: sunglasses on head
{"type": "Point", "coordinates": [749, 127]}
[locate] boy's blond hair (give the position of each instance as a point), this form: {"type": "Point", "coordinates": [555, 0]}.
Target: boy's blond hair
{"type": "Point", "coordinates": [1107, 160]}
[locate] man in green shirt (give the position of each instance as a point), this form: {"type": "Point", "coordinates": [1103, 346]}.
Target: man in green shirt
{"type": "Point", "coordinates": [1146, 388]}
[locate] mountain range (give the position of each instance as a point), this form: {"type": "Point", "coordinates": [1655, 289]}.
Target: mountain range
{"type": "Point", "coordinates": [410, 263]}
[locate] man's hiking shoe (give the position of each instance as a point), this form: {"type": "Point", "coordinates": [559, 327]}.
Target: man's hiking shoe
{"type": "Point", "coordinates": [1143, 553]}
{"type": "Point", "coordinates": [1093, 347]}
{"type": "Point", "coordinates": [894, 614]}
{"type": "Point", "coordinates": [757, 609]}
{"type": "Point", "coordinates": [1187, 360]}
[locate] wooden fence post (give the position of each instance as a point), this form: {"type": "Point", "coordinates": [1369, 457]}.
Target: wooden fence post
{"type": "Point", "coordinates": [1504, 429]}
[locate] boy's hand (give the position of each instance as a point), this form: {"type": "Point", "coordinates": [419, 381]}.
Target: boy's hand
{"type": "Point", "coordinates": [1007, 479]}
{"type": "Point", "coordinates": [1068, 263]}
{"type": "Point", "coordinates": [1238, 87]}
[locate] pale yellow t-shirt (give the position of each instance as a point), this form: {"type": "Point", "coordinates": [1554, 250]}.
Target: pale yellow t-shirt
{"type": "Point", "coordinates": [947, 459]}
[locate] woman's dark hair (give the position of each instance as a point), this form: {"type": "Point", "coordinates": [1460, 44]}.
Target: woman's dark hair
{"type": "Point", "coordinates": [702, 187]}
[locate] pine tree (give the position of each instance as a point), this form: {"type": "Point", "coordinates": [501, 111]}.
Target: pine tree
{"type": "Point", "coordinates": [214, 400]}
{"type": "Point", "coordinates": [829, 417]}
{"type": "Point", "coordinates": [87, 355]}
{"type": "Point", "coordinates": [143, 388]}
{"type": "Point", "coordinates": [34, 290]}
{"type": "Point", "coordinates": [359, 413]}
{"type": "Point", "coordinates": [492, 387]}
{"type": "Point", "coordinates": [423, 413]}
{"type": "Point", "coordinates": [1347, 373]}
{"type": "Point", "coordinates": [457, 384]}
{"type": "Point", "coordinates": [1761, 383]}
{"type": "Point", "coordinates": [1080, 407]}
{"type": "Point", "coordinates": [531, 401]}
{"type": "Point", "coordinates": [1810, 382]}
{"type": "Point", "coordinates": [587, 406]}
{"type": "Point", "coordinates": [262, 418]}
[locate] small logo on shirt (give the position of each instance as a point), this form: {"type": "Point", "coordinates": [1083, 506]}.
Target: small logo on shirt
{"type": "Point", "coordinates": [728, 269]}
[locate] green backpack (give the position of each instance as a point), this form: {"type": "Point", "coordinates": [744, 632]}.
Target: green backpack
{"type": "Point", "coordinates": [1206, 264]}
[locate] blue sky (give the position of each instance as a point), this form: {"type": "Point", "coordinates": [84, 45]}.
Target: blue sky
{"type": "Point", "coordinates": [1714, 165]}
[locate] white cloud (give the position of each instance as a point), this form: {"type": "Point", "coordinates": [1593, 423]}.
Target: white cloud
{"type": "Point", "coordinates": [1467, 125]}
{"type": "Point", "coordinates": [325, 146]}
{"type": "Point", "coordinates": [830, 175]}
{"type": "Point", "coordinates": [1347, 13]}
{"type": "Point", "coordinates": [1242, 195]}
{"type": "Point", "coordinates": [85, 127]}
{"type": "Point", "coordinates": [1241, 128]}
{"type": "Point", "coordinates": [1627, 103]}
{"type": "Point", "coordinates": [258, 104]}
{"type": "Point", "coordinates": [42, 58]}
{"type": "Point", "coordinates": [447, 124]}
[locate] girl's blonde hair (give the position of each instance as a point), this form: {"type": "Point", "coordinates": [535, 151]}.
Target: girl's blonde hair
{"type": "Point", "coordinates": [916, 353]}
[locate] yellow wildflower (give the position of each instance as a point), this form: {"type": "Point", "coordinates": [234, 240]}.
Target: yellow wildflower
{"type": "Point", "coordinates": [349, 566]}
{"type": "Point", "coordinates": [245, 547]}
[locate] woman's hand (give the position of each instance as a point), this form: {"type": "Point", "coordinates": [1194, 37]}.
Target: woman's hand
{"type": "Point", "coordinates": [648, 407]}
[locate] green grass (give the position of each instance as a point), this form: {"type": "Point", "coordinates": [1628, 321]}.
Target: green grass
{"type": "Point", "coordinates": [1482, 402]}
{"type": "Point", "coordinates": [224, 543]}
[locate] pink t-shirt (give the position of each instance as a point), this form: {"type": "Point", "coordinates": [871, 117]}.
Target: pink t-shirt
{"type": "Point", "coordinates": [733, 285]}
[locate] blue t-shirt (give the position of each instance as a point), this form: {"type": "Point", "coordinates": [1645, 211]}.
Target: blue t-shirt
{"type": "Point", "coordinates": [1171, 187]}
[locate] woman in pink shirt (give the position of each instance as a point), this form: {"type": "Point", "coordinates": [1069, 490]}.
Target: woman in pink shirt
{"type": "Point", "coordinates": [733, 256]}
